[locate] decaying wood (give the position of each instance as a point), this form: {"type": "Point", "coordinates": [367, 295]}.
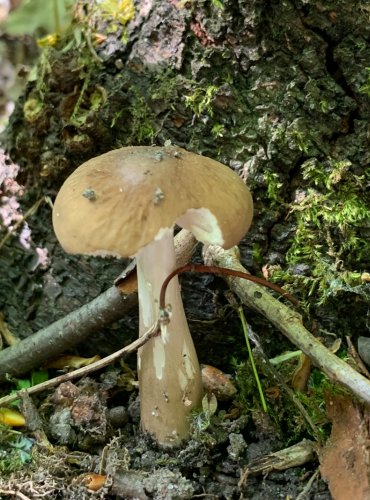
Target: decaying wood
{"type": "Point", "coordinates": [289, 323]}
{"type": "Point", "coordinates": [293, 456]}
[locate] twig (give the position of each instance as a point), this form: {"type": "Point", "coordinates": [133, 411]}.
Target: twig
{"type": "Point", "coordinates": [66, 332]}
{"type": "Point", "coordinates": [61, 335]}
{"type": "Point", "coordinates": [17, 494]}
{"type": "Point", "coordinates": [102, 363]}
{"type": "Point", "coordinates": [290, 324]}
{"type": "Point", "coordinates": [305, 493]}
{"type": "Point", "coordinates": [294, 456]}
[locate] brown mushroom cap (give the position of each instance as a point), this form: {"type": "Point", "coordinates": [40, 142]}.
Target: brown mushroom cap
{"type": "Point", "coordinates": [118, 202]}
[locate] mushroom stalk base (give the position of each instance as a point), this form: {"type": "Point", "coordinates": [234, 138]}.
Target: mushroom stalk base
{"type": "Point", "coordinates": [169, 374]}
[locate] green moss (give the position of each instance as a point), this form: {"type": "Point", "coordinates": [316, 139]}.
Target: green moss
{"type": "Point", "coordinates": [200, 101]}
{"type": "Point", "coordinates": [248, 397]}
{"type": "Point", "coordinates": [143, 101]}
{"type": "Point", "coordinates": [40, 72]}
{"type": "Point", "coordinates": [365, 89]}
{"type": "Point", "coordinates": [165, 87]}
{"type": "Point", "coordinates": [257, 254]}
{"type": "Point", "coordinates": [142, 119]}
{"type": "Point", "coordinates": [218, 130]}
{"type": "Point", "coordinates": [89, 101]}
{"type": "Point", "coordinates": [318, 391]}
{"type": "Point", "coordinates": [218, 4]}
{"type": "Point", "coordinates": [122, 11]}
{"type": "Point", "coordinates": [283, 408]}
{"type": "Point", "coordinates": [325, 281]}
{"type": "Point", "coordinates": [274, 187]}
{"type": "Point", "coordinates": [330, 219]}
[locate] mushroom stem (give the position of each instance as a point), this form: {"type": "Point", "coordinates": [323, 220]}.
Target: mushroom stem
{"type": "Point", "coordinates": [169, 374]}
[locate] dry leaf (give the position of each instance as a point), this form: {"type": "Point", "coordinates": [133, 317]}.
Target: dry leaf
{"type": "Point", "coordinates": [359, 357]}
{"type": "Point", "coordinates": [273, 392]}
{"type": "Point", "coordinates": [8, 336]}
{"type": "Point", "coordinates": [70, 362]}
{"type": "Point", "coordinates": [335, 346]}
{"type": "Point", "coordinates": [93, 482]}
{"type": "Point", "coordinates": [344, 459]}
{"type": "Point", "coordinates": [301, 373]}
{"type": "Point", "coordinates": [209, 404]}
{"type": "Point", "coordinates": [12, 418]}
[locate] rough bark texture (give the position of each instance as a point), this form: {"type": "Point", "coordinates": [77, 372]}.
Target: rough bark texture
{"type": "Point", "coordinates": [277, 90]}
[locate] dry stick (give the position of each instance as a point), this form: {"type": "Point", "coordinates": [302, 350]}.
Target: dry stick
{"type": "Point", "coordinates": [289, 323]}
{"type": "Point", "coordinates": [98, 365]}
{"type": "Point", "coordinates": [74, 328]}
{"type": "Point", "coordinates": [47, 343]}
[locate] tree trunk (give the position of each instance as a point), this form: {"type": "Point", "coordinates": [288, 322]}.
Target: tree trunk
{"type": "Point", "coordinates": [279, 91]}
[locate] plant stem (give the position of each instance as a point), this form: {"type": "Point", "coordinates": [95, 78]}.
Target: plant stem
{"type": "Point", "coordinates": [253, 365]}
{"type": "Point", "coordinates": [290, 324]}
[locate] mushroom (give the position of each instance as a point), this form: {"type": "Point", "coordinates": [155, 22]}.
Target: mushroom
{"type": "Point", "coordinates": [126, 203]}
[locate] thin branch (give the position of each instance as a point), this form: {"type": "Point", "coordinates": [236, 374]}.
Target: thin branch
{"type": "Point", "coordinates": [290, 324]}
{"type": "Point", "coordinates": [78, 325]}
{"type": "Point", "coordinates": [61, 335]}
{"type": "Point", "coordinates": [98, 365]}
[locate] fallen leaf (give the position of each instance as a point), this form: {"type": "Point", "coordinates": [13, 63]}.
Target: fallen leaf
{"type": "Point", "coordinates": [344, 460]}
{"type": "Point", "coordinates": [8, 336]}
{"type": "Point", "coordinates": [359, 357]}
{"type": "Point", "coordinates": [301, 373]}
{"type": "Point", "coordinates": [209, 404]}
{"type": "Point", "coordinates": [70, 362]}
{"type": "Point", "coordinates": [11, 417]}
{"type": "Point", "coordinates": [273, 392]}
{"type": "Point", "coordinates": [294, 456]}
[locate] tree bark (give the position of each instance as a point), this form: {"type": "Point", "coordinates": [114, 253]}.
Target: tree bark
{"type": "Point", "coordinates": [276, 90]}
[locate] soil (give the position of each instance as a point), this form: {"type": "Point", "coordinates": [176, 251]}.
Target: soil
{"type": "Point", "coordinates": [278, 92]}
